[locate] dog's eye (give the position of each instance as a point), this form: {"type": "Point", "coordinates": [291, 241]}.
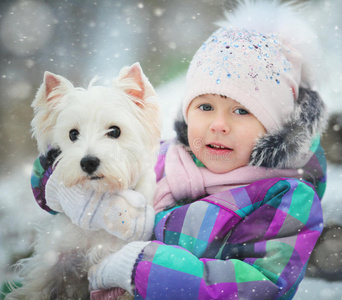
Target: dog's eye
{"type": "Point", "coordinates": [114, 132]}
{"type": "Point", "coordinates": [73, 135]}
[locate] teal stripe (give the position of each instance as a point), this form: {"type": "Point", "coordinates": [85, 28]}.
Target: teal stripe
{"type": "Point", "coordinates": [276, 193]}
{"type": "Point", "coordinates": [162, 214]}
{"type": "Point", "coordinates": [37, 174]}
{"type": "Point", "coordinates": [35, 181]}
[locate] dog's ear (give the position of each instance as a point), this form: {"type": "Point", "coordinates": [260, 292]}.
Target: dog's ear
{"type": "Point", "coordinates": [53, 86]}
{"type": "Point", "coordinates": [134, 82]}
{"type": "Point", "coordinates": [51, 81]}
{"type": "Point", "coordinates": [44, 104]}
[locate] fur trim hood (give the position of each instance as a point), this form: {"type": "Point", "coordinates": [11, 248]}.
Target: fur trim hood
{"type": "Point", "coordinates": [289, 147]}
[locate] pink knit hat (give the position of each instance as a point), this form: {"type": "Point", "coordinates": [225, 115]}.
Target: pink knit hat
{"type": "Point", "coordinates": [259, 69]}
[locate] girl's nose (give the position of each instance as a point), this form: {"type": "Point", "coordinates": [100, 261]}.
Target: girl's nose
{"type": "Point", "coordinates": [219, 125]}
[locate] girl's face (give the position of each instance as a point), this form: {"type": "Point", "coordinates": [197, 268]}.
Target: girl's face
{"type": "Point", "coordinates": [222, 132]}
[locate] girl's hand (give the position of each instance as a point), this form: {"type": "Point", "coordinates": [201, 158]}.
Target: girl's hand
{"type": "Point", "coordinates": [116, 269]}
{"type": "Point", "coordinates": [124, 215]}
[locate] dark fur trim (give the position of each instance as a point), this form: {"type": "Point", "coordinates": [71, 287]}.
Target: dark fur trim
{"type": "Point", "coordinates": [181, 129]}
{"type": "Point", "coordinates": [286, 147]}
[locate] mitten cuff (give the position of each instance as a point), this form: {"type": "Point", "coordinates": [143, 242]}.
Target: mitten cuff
{"type": "Point", "coordinates": [125, 262]}
{"type": "Point", "coordinates": [117, 269]}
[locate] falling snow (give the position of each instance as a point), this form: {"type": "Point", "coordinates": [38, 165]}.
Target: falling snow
{"type": "Point", "coordinates": [98, 38]}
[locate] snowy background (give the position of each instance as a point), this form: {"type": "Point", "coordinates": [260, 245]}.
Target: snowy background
{"type": "Point", "coordinates": [80, 39]}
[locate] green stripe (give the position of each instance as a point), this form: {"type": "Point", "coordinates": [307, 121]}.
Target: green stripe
{"type": "Point", "coordinates": [278, 255]}
{"type": "Point", "coordinates": [192, 244]}
{"type": "Point", "coordinates": [37, 170]}
{"type": "Point", "coordinates": [302, 191]}
{"type": "Point", "coordinates": [178, 260]}
{"type": "Point", "coordinates": [245, 272]}
{"type": "Point", "coordinates": [315, 144]}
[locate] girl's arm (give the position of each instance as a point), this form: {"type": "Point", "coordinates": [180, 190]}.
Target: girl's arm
{"type": "Point", "coordinates": [41, 172]}
{"type": "Point", "coordinates": [248, 243]}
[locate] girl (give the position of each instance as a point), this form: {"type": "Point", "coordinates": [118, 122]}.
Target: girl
{"type": "Point", "coordinates": [238, 200]}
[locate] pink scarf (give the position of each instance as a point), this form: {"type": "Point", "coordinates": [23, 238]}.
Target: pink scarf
{"type": "Point", "coordinates": [184, 179]}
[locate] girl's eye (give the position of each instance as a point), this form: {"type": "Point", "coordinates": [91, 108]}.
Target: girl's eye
{"type": "Point", "coordinates": [206, 107]}
{"type": "Point", "coordinates": [73, 135]}
{"type": "Point", "coordinates": [241, 111]}
{"type": "Point", "coordinates": [114, 132]}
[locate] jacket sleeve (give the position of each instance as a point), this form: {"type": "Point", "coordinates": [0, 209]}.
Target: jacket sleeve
{"type": "Point", "coordinates": [247, 243]}
{"type": "Point", "coordinates": [41, 172]}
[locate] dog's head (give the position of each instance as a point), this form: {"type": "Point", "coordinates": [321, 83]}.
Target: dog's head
{"type": "Point", "coordinates": [107, 135]}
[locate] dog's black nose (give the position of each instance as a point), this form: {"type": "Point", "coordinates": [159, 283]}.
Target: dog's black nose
{"type": "Point", "coordinates": [89, 164]}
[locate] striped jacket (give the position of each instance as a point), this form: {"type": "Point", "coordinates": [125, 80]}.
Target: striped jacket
{"type": "Point", "coordinates": [251, 242]}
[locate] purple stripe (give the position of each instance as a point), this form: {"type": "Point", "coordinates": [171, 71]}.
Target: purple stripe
{"type": "Point", "coordinates": [225, 221]}
{"type": "Point", "coordinates": [276, 224]}
{"type": "Point", "coordinates": [262, 290]}
{"type": "Point", "coordinates": [141, 282]}
{"type": "Point", "coordinates": [177, 218]}
{"type": "Point", "coordinates": [258, 190]}
{"type": "Point", "coordinates": [305, 243]}
{"type": "Point", "coordinates": [315, 220]}
{"type": "Point", "coordinates": [314, 167]}
{"type": "Point", "coordinates": [171, 279]}
{"type": "Point", "coordinates": [242, 197]}
{"type": "Point", "coordinates": [160, 227]}
{"type": "Point", "coordinates": [254, 227]}
{"type": "Point", "coordinates": [251, 261]}
{"type": "Point", "coordinates": [159, 167]}
{"type": "Point", "coordinates": [260, 247]}
{"type": "Point", "coordinates": [293, 267]}
{"type": "Point", "coordinates": [244, 290]}
{"type": "Point", "coordinates": [224, 200]}
{"type": "Point", "coordinates": [226, 290]}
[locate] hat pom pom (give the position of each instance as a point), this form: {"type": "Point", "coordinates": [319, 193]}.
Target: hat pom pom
{"type": "Point", "coordinates": [285, 19]}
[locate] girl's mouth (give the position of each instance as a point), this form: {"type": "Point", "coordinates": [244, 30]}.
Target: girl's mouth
{"type": "Point", "coordinates": [218, 149]}
{"type": "Point", "coordinates": [217, 146]}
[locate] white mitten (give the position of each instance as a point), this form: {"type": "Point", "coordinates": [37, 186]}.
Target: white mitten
{"type": "Point", "coordinates": [116, 269]}
{"type": "Point", "coordinates": [124, 215]}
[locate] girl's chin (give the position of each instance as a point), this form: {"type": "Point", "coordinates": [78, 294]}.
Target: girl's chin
{"type": "Point", "coordinates": [219, 167]}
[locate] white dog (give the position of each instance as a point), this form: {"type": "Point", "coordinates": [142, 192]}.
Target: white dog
{"type": "Point", "coordinates": [109, 139]}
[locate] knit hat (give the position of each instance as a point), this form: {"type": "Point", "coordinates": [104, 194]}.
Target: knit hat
{"type": "Point", "coordinates": [261, 68]}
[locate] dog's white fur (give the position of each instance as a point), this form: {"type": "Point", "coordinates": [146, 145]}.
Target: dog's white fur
{"type": "Point", "coordinates": [64, 252]}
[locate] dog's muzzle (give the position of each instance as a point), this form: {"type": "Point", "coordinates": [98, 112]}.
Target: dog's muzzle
{"type": "Point", "coordinates": [89, 164]}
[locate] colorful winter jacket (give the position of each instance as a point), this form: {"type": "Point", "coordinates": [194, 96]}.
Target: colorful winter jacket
{"type": "Point", "coordinates": [250, 242]}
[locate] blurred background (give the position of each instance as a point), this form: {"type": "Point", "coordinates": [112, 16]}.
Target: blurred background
{"type": "Point", "coordinates": [80, 39]}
